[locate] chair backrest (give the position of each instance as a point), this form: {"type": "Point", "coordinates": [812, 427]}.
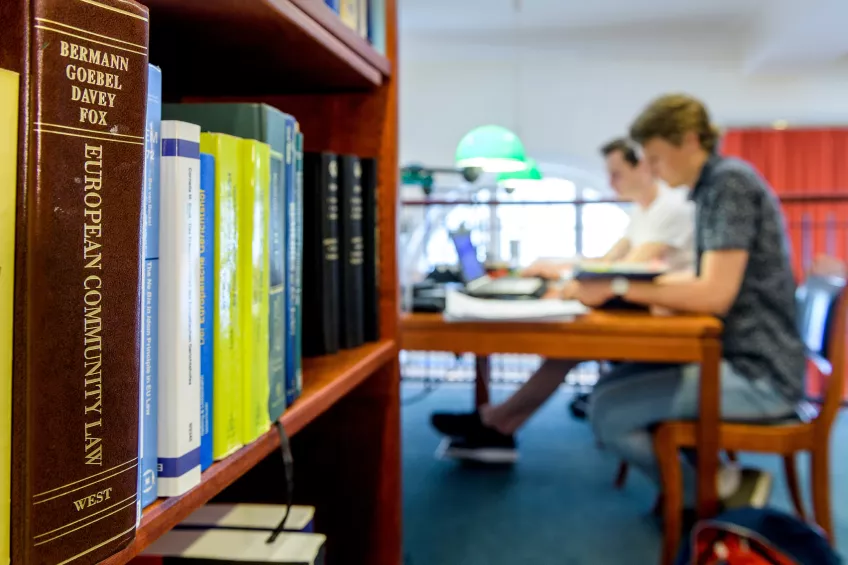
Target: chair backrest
{"type": "Point", "coordinates": [821, 323]}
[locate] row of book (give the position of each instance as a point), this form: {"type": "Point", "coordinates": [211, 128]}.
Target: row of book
{"type": "Point", "coordinates": [365, 17]}
{"type": "Point", "coordinates": [240, 533]}
{"type": "Point", "coordinates": [163, 270]}
{"type": "Point", "coordinates": [225, 234]}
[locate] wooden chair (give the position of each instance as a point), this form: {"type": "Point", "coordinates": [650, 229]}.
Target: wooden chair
{"type": "Point", "coordinates": [822, 306]}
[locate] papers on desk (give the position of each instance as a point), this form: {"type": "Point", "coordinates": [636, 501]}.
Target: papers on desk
{"type": "Point", "coordinates": [461, 307]}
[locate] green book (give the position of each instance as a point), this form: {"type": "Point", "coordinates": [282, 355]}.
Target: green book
{"type": "Point", "coordinates": [266, 124]}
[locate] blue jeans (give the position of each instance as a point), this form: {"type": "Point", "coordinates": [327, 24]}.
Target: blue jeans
{"type": "Point", "coordinates": [633, 397]}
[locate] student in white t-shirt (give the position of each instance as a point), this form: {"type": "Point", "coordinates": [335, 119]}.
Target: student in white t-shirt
{"type": "Point", "coordinates": [661, 229]}
{"type": "Point", "coordinates": [661, 225]}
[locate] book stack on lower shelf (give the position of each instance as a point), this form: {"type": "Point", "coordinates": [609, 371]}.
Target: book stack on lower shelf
{"type": "Point", "coordinates": [228, 533]}
{"type": "Point", "coordinates": [181, 286]}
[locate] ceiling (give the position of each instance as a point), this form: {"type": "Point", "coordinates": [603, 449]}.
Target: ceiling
{"type": "Point", "coordinates": [763, 35]}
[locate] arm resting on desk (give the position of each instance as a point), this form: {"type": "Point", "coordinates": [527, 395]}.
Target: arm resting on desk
{"type": "Point", "coordinates": [713, 292]}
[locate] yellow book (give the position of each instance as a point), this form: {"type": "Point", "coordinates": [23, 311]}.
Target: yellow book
{"type": "Point", "coordinates": [8, 189]}
{"type": "Point", "coordinates": [227, 371]}
{"type": "Point", "coordinates": [254, 284]}
{"type": "Point", "coordinates": [349, 13]}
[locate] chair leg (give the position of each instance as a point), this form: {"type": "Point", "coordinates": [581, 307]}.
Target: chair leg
{"type": "Point", "coordinates": [671, 480]}
{"type": "Point", "coordinates": [791, 472]}
{"type": "Point", "coordinates": [621, 476]}
{"type": "Point", "coordinates": [820, 474]}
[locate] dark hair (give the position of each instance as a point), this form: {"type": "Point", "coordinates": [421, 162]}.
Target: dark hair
{"type": "Point", "coordinates": [672, 116]}
{"type": "Point", "coordinates": [628, 150]}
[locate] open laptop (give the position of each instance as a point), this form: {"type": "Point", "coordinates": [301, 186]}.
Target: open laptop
{"type": "Point", "coordinates": [481, 285]}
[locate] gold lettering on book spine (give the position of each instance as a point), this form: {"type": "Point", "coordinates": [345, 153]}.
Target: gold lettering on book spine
{"type": "Point", "coordinates": [92, 299]}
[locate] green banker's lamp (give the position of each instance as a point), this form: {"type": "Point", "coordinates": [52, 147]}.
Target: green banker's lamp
{"type": "Point", "coordinates": [494, 149]}
{"type": "Point", "coordinates": [529, 175]}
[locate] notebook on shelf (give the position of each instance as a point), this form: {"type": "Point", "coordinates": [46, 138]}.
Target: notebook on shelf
{"type": "Point", "coordinates": [263, 517]}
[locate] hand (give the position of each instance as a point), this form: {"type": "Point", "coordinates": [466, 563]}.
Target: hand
{"type": "Point", "coordinates": [569, 290]}
{"type": "Point", "coordinates": [543, 269]}
{"type": "Point", "coordinates": [553, 293]}
{"type": "Point", "coordinates": [593, 293]}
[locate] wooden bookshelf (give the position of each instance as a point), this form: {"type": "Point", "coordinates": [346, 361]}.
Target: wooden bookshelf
{"type": "Point", "coordinates": [228, 47]}
{"type": "Point", "coordinates": [299, 57]}
{"type": "Point", "coordinates": [325, 380]}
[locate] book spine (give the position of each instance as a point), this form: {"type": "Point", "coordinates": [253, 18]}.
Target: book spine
{"type": "Point", "coordinates": [277, 296]}
{"type": "Point", "coordinates": [253, 273]}
{"type": "Point", "coordinates": [371, 254]}
{"type": "Point", "coordinates": [349, 13]}
{"type": "Point", "coordinates": [226, 323]}
{"type": "Point", "coordinates": [179, 309]}
{"type": "Point", "coordinates": [377, 25]}
{"type": "Point", "coordinates": [320, 255]}
{"type": "Point", "coordinates": [9, 85]}
{"type": "Point", "coordinates": [207, 305]}
{"type": "Point", "coordinates": [298, 272]}
{"type": "Point", "coordinates": [78, 277]}
{"type": "Point", "coordinates": [332, 254]}
{"type": "Point", "coordinates": [363, 7]}
{"type": "Point", "coordinates": [351, 328]}
{"type": "Point", "coordinates": [333, 4]}
{"type": "Point", "coordinates": [148, 437]}
{"type": "Point", "coordinates": [291, 257]}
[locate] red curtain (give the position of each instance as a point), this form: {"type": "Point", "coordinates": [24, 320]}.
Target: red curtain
{"type": "Point", "coordinates": [808, 169]}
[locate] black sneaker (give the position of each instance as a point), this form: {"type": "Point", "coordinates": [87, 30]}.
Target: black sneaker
{"type": "Point", "coordinates": [492, 448]}
{"type": "Point", "coordinates": [456, 425]}
{"type": "Point", "coordinates": [579, 405]}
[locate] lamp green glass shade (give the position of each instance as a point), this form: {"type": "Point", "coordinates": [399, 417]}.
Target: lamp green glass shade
{"type": "Point", "coordinates": [492, 148]}
{"type": "Point", "coordinates": [530, 172]}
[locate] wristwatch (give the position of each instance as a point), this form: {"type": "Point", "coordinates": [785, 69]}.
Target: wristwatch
{"type": "Point", "coordinates": [620, 286]}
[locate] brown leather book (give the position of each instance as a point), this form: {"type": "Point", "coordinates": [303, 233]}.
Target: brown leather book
{"type": "Point", "coordinates": [83, 67]}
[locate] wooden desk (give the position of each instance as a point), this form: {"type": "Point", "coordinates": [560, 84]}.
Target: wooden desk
{"type": "Point", "coordinates": [603, 336]}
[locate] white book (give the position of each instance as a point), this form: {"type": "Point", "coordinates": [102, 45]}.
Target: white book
{"type": "Point", "coordinates": [238, 546]}
{"type": "Point", "coordinates": [179, 309]}
{"type": "Point", "coordinates": [245, 516]}
{"type": "Point", "coordinates": [461, 307]}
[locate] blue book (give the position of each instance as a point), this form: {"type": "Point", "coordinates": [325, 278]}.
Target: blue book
{"type": "Point", "coordinates": [290, 173]}
{"type": "Point", "coordinates": [147, 436]}
{"type": "Point", "coordinates": [333, 4]}
{"type": "Point", "coordinates": [298, 254]}
{"type": "Point", "coordinates": [207, 304]}
{"type": "Point", "coordinates": [377, 25]}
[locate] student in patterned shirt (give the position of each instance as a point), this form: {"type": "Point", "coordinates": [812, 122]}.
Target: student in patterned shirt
{"type": "Point", "coordinates": [743, 277]}
{"type": "Point", "coordinates": [661, 228]}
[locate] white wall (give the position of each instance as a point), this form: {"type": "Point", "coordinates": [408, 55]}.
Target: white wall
{"type": "Point", "coordinates": [565, 105]}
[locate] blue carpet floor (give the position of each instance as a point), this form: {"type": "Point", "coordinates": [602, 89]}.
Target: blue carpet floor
{"type": "Point", "coordinates": [556, 506]}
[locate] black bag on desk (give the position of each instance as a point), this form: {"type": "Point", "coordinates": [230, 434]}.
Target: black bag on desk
{"type": "Point", "coordinates": [429, 295]}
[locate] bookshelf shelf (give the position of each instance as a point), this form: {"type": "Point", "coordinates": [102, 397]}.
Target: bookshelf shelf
{"type": "Point", "coordinates": [325, 381]}
{"type": "Point", "coordinates": [233, 47]}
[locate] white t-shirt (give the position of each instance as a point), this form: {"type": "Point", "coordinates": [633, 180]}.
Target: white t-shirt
{"type": "Point", "coordinates": [670, 219]}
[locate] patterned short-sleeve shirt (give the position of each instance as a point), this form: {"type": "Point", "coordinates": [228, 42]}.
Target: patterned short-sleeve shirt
{"type": "Point", "coordinates": [736, 209]}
